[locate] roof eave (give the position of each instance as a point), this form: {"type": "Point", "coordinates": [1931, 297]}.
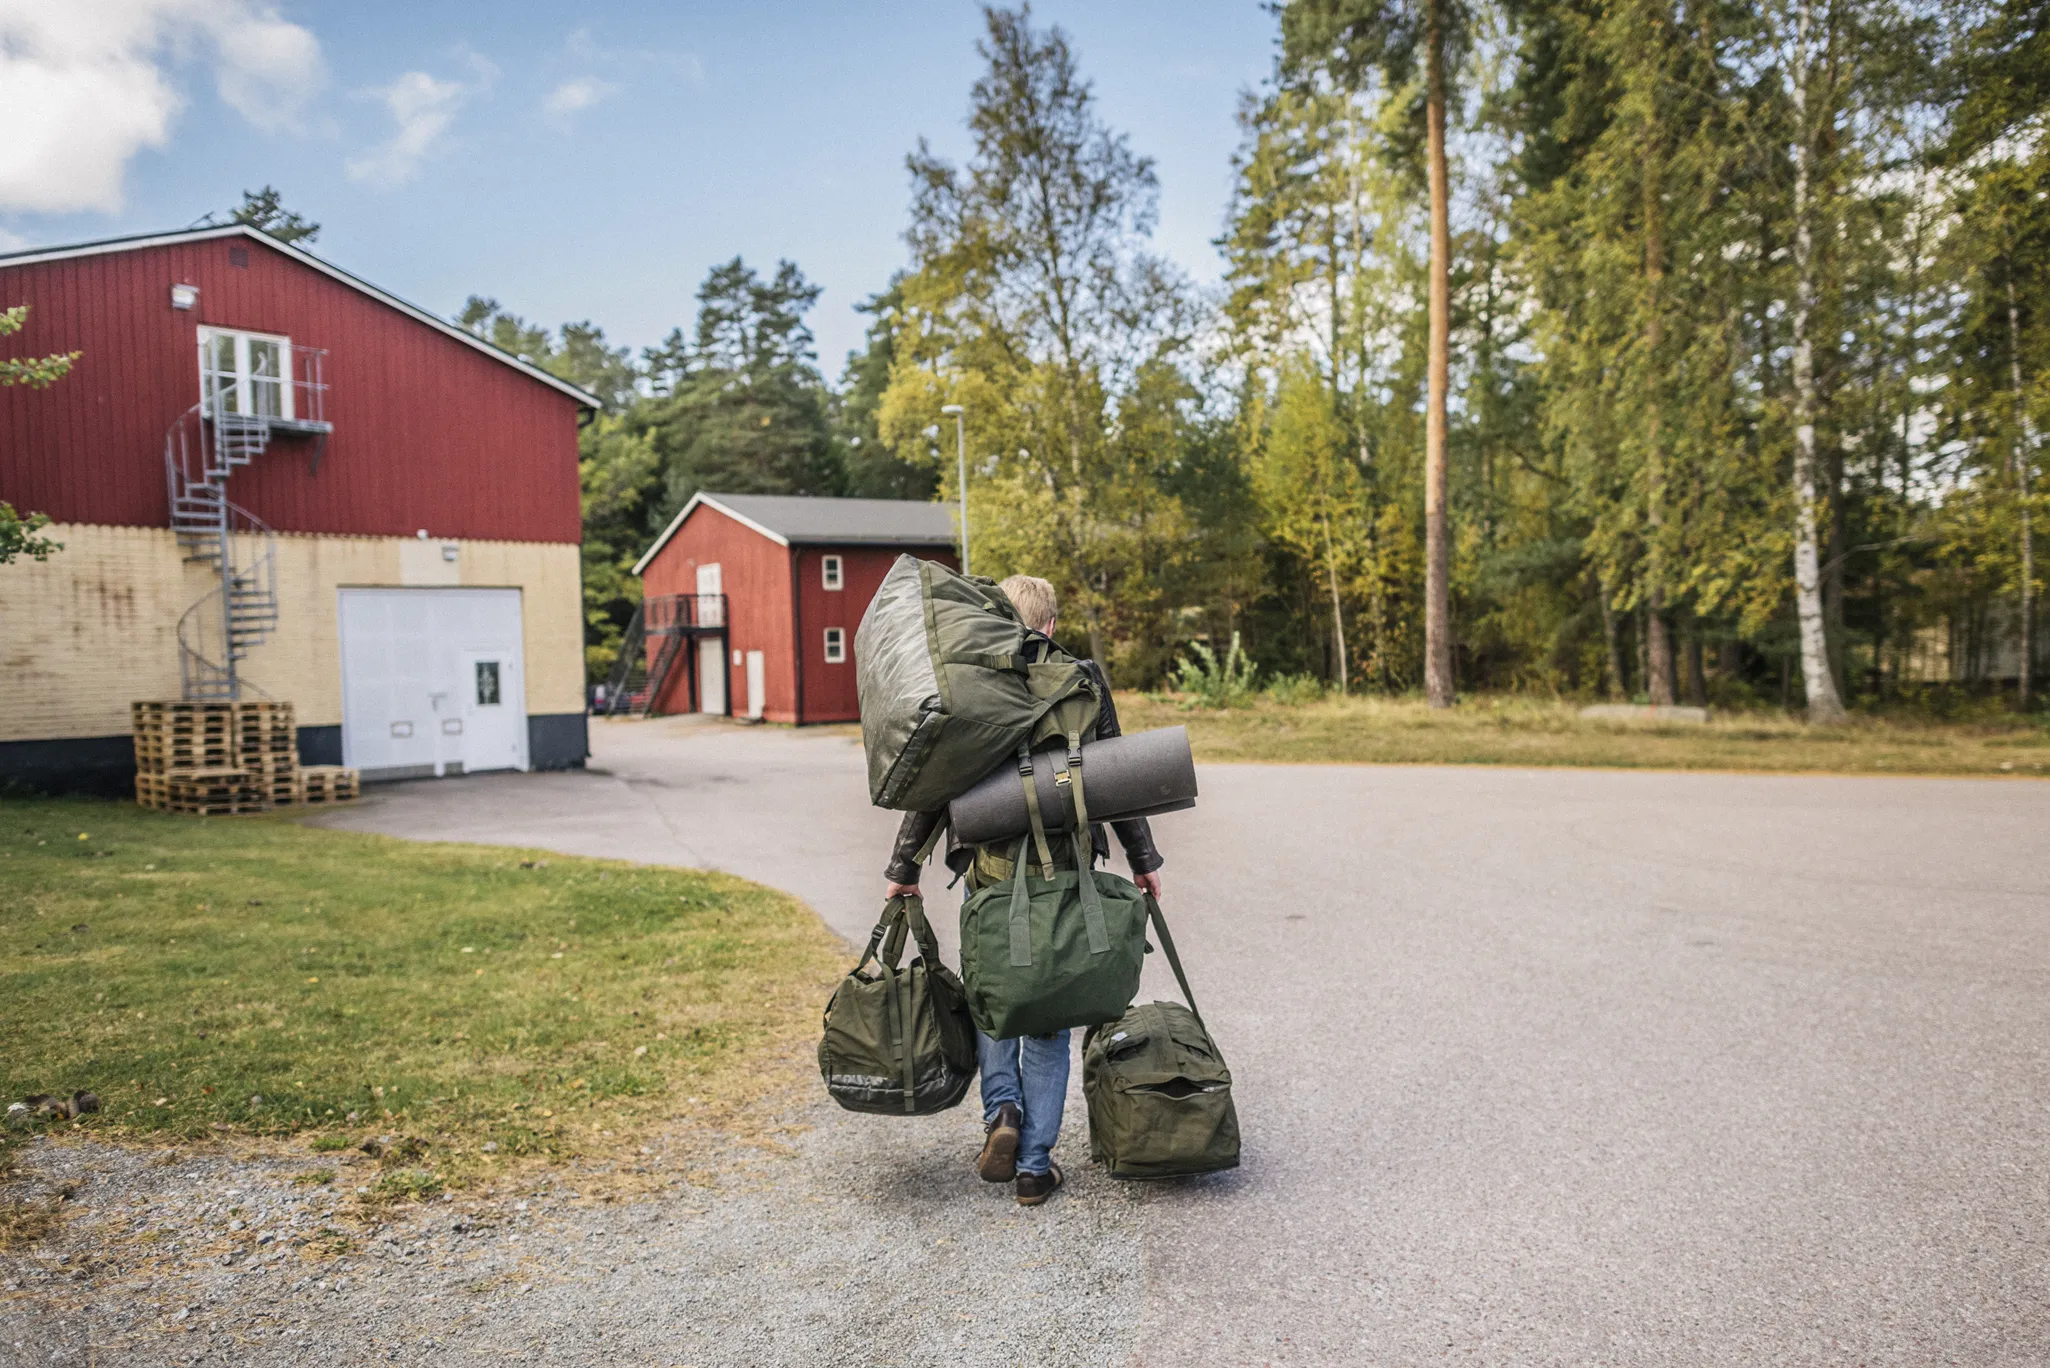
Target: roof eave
{"type": "Point", "coordinates": [106, 246]}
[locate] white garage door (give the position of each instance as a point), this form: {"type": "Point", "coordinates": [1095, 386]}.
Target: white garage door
{"type": "Point", "coordinates": [432, 681]}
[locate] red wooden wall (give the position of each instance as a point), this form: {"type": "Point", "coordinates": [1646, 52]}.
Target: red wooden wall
{"type": "Point", "coordinates": [756, 574]}
{"type": "Point", "coordinates": [764, 616]}
{"type": "Point", "coordinates": [429, 432]}
{"type": "Point", "coordinates": [829, 692]}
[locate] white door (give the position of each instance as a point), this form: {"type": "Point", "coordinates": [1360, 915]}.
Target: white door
{"type": "Point", "coordinates": [711, 675]}
{"type": "Point", "coordinates": [757, 685]}
{"type": "Point", "coordinates": [410, 681]}
{"type": "Point", "coordinates": [494, 714]}
{"type": "Point", "coordinates": [711, 612]}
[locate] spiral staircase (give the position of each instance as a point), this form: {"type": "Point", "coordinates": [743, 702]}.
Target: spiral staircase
{"type": "Point", "coordinates": [203, 449]}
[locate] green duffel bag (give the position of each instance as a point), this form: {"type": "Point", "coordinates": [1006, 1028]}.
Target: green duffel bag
{"type": "Point", "coordinates": [898, 1040]}
{"type": "Point", "coordinates": [951, 685]}
{"type": "Point", "coordinates": [1159, 1093]}
{"type": "Point", "coordinates": [1043, 954]}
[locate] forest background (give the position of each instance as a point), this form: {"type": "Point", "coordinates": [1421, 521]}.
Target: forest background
{"type": "Point", "coordinates": [1731, 289]}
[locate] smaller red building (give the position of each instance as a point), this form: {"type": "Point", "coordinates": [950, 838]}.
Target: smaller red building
{"type": "Point", "coordinates": [775, 587]}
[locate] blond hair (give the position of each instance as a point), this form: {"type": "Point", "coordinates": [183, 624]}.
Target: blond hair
{"type": "Point", "coordinates": [1033, 598]}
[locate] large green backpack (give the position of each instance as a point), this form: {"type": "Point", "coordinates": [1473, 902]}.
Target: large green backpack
{"type": "Point", "coordinates": [898, 1040]}
{"type": "Point", "coordinates": [950, 688]}
{"type": "Point", "coordinates": [1159, 1093]}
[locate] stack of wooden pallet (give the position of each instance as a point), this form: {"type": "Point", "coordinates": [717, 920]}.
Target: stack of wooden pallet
{"type": "Point", "coordinates": [327, 784]}
{"type": "Point", "coordinates": [216, 759]}
{"type": "Point", "coordinates": [267, 746]}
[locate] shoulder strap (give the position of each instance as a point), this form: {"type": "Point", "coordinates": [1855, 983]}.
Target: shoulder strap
{"type": "Point", "coordinates": [1085, 853]}
{"type": "Point", "coordinates": [1174, 961]}
{"type": "Point", "coordinates": [1032, 808]}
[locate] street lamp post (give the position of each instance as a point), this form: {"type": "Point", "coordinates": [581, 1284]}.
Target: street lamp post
{"type": "Point", "coordinates": [961, 446]}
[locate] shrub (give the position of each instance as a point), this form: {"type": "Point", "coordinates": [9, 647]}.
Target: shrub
{"type": "Point", "coordinates": [1215, 683]}
{"type": "Point", "coordinates": [1294, 690]}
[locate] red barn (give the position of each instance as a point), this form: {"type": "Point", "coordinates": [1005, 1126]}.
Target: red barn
{"type": "Point", "coordinates": [273, 479]}
{"type": "Point", "coordinates": [762, 594]}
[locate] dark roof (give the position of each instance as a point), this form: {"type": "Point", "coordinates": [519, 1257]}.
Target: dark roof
{"type": "Point", "coordinates": [797, 520]}
{"type": "Point", "coordinates": [137, 241]}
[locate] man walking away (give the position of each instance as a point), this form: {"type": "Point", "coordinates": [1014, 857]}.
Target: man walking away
{"type": "Point", "coordinates": [1024, 1081]}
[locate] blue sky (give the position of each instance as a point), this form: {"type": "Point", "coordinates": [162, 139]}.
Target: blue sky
{"type": "Point", "coordinates": [576, 161]}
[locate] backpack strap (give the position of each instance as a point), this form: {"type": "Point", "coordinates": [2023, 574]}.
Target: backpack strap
{"type": "Point", "coordinates": [1174, 961]}
{"type": "Point", "coordinates": [1021, 910]}
{"type": "Point", "coordinates": [932, 842]}
{"type": "Point", "coordinates": [1085, 853]}
{"type": "Point", "coordinates": [1032, 809]}
{"type": "Point", "coordinates": [1014, 664]}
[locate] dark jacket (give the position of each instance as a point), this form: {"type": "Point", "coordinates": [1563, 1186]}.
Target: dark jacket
{"type": "Point", "coordinates": [1134, 835]}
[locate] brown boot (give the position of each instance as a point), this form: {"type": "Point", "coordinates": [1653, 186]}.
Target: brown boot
{"type": "Point", "coordinates": [1034, 1188]}
{"type": "Point", "coordinates": [998, 1162]}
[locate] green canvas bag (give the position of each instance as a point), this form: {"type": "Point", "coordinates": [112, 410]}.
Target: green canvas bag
{"type": "Point", "coordinates": [1064, 949]}
{"type": "Point", "coordinates": [950, 688]}
{"type": "Point", "coordinates": [1042, 954]}
{"type": "Point", "coordinates": [898, 1040]}
{"type": "Point", "coordinates": [1158, 1090]}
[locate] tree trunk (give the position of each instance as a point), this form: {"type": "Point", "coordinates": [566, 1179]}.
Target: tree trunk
{"type": "Point", "coordinates": [1697, 678]}
{"type": "Point", "coordinates": [1658, 631]}
{"type": "Point", "coordinates": [1618, 690]}
{"type": "Point", "coordinates": [1643, 642]}
{"type": "Point", "coordinates": [1658, 656]}
{"type": "Point", "coordinates": [1823, 704]}
{"type": "Point", "coordinates": [1337, 613]}
{"type": "Point", "coordinates": [1437, 531]}
{"type": "Point", "coordinates": [2021, 460]}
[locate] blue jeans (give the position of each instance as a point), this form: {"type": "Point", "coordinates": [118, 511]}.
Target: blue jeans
{"type": "Point", "coordinates": [1030, 1073]}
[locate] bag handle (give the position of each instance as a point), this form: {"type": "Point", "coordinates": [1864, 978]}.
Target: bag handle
{"type": "Point", "coordinates": [1174, 961]}
{"type": "Point", "coordinates": [902, 913]}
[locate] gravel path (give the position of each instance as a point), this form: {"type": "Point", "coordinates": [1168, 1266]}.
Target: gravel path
{"type": "Point", "coordinates": [820, 1256]}
{"type": "Point", "coordinates": [1536, 1067]}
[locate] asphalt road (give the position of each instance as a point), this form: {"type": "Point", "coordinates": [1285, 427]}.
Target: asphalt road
{"type": "Point", "coordinates": [1534, 1067]}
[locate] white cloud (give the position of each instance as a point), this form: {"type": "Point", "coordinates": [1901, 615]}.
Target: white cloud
{"type": "Point", "coordinates": [424, 108]}
{"type": "Point", "coordinates": [84, 87]}
{"type": "Point", "coordinates": [572, 96]}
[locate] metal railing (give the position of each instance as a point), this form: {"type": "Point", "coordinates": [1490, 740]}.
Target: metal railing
{"type": "Point", "coordinates": [653, 645]}
{"type": "Point", "coordinates": [228, 428]}
{"type": "Point", "coordinates": [223, 625]}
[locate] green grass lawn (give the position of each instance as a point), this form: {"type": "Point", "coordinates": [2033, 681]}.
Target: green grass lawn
{"type": "Point", "coordinates": [1515, 731]}
{"type": "Point", "coordinates": [254, 975]}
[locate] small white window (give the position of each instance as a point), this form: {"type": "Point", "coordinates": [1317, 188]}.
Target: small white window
{"type": "Point", "coordinates": [829, 569]}
{"type": "Point", "coordinates": [245, 373]}
{"type": "Point", "coordinates": [836, 645]}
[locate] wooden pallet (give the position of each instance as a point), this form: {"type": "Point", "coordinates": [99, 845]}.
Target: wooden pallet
{"type": "Point", "coordinates": [183, 716]}
{"type": "Point", "coordinates": [159, 754]}
{"type": "Point", "coordinates": [183, 736]}
{"type": "Point", "coordinates": [328, 784]}
{"type": "Point", "coordinates": [264, 729]}
{"type": "Point", "coordinates": [280, 788]}
{"type": "Point", "coordinates": [210, 792]}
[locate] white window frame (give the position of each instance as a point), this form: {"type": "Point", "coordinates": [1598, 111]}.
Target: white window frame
{"type": "Point", "coordinates": [243, 387]}
{"type": "Point", "coordinates": [832, 573]}
{"type": "Point", "coordinates": [836, 645]}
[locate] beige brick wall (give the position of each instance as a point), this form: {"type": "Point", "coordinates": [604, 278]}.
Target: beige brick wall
{"type": "Point", "coordinates": [94, 628]}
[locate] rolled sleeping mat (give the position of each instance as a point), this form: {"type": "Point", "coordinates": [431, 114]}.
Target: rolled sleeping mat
{"type": "Point", "coordinates": [1140, 775]}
